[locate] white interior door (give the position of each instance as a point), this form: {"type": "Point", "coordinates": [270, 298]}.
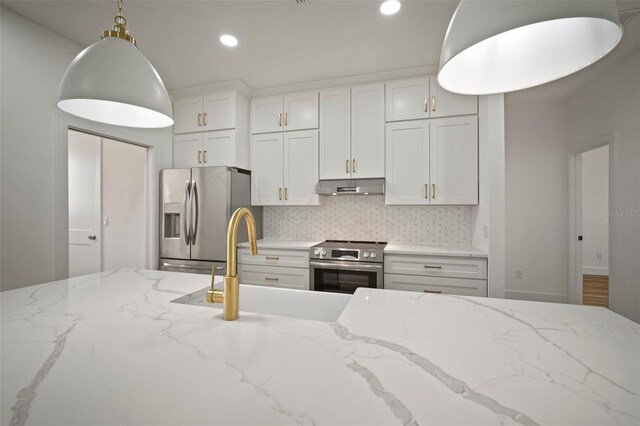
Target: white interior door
{"type": "Point", "coordinates": [85, 235]}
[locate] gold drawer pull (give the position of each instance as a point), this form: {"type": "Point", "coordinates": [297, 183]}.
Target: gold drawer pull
{"type": "Point", "coordinates": [432, 267]}
{"type": "Point", "coordinates": [272, 257]}
{"type": "Point", "coordinates": [271, 279]}
{"type": "Point", "coordinates": [433, 291]}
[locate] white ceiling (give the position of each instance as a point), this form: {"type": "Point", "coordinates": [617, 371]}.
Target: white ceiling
{"type": "Point", "coordinates": [282, 42]}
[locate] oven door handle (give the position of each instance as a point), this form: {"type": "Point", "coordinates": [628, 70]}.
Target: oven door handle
{"type": "Point", "coordinates": [347, 266]}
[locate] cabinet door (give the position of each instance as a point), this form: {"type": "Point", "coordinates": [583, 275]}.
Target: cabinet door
{"type": "Point", "coordinates": [219, 111]}
{"type": "Point", "coordinates": [367, 131]}
{"type": "Point", "coordinates": [335, 134]}
{"type": "Point", "coordinates": [301, 111]}
{"type": "Point", "coordinates": [407, 99]}
{"type": "Point", "coordinates": [446, 104]}
{"type": "Point", "coordinates": [219, 148]}
{"type": "Point", "coordinates": [187, 150]}
{"type": "Point", "coordinates": [187, 115]}
{"type": "Point", "coordinates": [436, 285]}
{"type": "Point", "coordinates": [267, 169]}
{"type": "Point", "coordinates": [454, 160]}
{"type": "Point", "coordinates": [266, 115]}
{"type": "Point", "coordinates": [301, 168]}
{"type": "Point", "coordinates": [407, 162]}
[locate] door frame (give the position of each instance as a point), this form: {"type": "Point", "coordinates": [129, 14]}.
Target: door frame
{"type": "Point", "coordinates": [149, 246]}
{"type": "Point", "coordinates": [575, 151]}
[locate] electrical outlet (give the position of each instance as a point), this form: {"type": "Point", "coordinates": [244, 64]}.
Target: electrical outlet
{"type": "Point", "coordinates": [599, 256]}
{"type": "Point", "coordinates": [518, 274]}
{"type": "Point", "coordinates": [105, 221]}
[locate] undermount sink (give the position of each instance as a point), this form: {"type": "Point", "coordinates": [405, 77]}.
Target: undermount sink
{"type": "Point", "coordinates": [283, 302]}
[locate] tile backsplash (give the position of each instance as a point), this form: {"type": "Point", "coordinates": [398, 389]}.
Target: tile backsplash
{"type": "Point", "coordinates": [368, 218]}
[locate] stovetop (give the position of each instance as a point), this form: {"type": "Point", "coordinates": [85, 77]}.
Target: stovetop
{"type": "Point", "coordinates": [352, 251]}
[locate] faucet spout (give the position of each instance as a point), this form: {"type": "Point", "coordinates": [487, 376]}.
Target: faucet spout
{"type": "Point", "coordinates": [230, 295]}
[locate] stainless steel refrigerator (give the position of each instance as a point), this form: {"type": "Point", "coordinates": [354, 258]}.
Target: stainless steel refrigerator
{"type": "Point", "coordinates": [196, 207]}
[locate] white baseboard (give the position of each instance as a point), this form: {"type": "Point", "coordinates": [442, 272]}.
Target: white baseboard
{"type": "Point", "coordinates": [593, 270]}
{"type": "Point", "coordinates": [538, 297]}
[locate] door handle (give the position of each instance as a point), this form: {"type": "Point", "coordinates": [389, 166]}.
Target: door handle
{"type": "Point", "coordinates": [92, 237]}
{"type": "Point", "coordinates": [199, 153]}
{"type": "Point", "coordinates": [194, 198]}
{"type": "Point", "coordinates": [199, 119]}
{"type": "Point", "coordinates": [433, 103]}
{"type": "Point", "coordinates": [204, 118]}
{"type": "Point", "coordinates": [185, 213]}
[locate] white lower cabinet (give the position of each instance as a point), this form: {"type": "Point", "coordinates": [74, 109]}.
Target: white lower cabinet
{"type": "Point", "coordinates": [274, 268]}
{"type": "Point", "coordinates": [465, 276]}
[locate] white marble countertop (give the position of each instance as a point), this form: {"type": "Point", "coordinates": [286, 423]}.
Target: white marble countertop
{"type": "Point", "coordinates": [434, 250]}
{"type": "Point", "coordinates": [274, 243]}
{"type": "Point", "coordinates": [111, 349]}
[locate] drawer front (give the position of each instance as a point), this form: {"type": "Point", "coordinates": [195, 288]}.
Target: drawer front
{"type": "Point", "coordinates": [457, 286]}
{"type": "Point", "coordinates": [436, 266]}
{"type": "Point", "coordinates": [274, 276]}
{"type": "Point", "coordinates": [271, 257]}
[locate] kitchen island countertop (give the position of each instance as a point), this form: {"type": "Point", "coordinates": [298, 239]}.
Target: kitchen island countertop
{"type": "Point", "coordinates": [111, 348]}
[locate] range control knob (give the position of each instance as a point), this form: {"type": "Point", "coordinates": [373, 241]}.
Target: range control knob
{"type": "Point", "coordinates": [373, 255]}
{"type": "Point", "coordinates": [316, 252]}
{"type": "Point", "coordinates": [366, 254]}
{"type": "Point", "coordinates": [324, 252]}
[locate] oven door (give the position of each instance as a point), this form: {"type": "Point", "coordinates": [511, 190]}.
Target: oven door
{"type": "Point", "coordinates": [344, 277]}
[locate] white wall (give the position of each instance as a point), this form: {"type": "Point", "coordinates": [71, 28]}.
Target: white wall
{"type": "Point", "coordinates": [124, 205]}
{"type": "Point", "coordinates": [595, 203]}
{"type": "Point", "coordinates": [611, 104]}
{"type": "Point", "coordinates": [33, 153]}
{"type": "Point", "coordinates": [536, 200]}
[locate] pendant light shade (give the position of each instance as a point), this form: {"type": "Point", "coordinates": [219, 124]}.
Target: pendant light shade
{"type": "Point", "coordinates": [503, 46]}
{"type": "Point", "coordinates": [112, 82]}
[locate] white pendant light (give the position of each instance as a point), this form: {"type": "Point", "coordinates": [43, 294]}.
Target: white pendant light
{"type": "Point", "coordinates": [503, 46]}
{"type": "Point", "coordinates": [112, 82]}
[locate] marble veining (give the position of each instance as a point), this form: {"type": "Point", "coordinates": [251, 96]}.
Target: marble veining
{"type": "Point", "coordinates": [111, 348]}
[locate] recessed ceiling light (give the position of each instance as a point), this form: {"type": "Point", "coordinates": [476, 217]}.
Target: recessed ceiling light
{"type": "Point", "coordinates": [228, 40]}
{"type": "Point", "coordinates": [390, 7]}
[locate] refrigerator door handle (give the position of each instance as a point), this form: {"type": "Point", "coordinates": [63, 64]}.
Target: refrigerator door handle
{"type": "Point", "coordinates": [185, 213]}
{"type": "Point", "coordinates": [194, 199]}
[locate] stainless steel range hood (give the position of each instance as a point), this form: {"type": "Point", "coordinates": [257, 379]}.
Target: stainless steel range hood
{"type": "Point", "coordinates": [351, 187]}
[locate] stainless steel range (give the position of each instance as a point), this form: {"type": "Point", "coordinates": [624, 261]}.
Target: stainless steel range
{"type": "Point", "coordinates": [343, 266]}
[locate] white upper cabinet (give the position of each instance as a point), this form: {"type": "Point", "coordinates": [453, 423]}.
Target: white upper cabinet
{"type": "Point", "coordinates": [407, 168]}
{"type": "Point", "coordinates": [204, 113]}
{"type": "Point", "coordinates": [407, 99]}
{"type": "Point", "coordinates": [301, 111]}
{"type": "Point", "coordinates": [418, 98]}
{"type": "Point", "coordinates": [432, 161]}
{"type": "Point", "coordinates": [187, 115]}
{"type": "Point", "coordinates": [367, 131]}
{"type": "Point", "coordinates": [187, 150]}
{"type": "Point", "coordinates": [267, 115]}
{"type": "Point", "coordinates": [219, 111]}
{"type": "Point", "coordinates": [285, 168]}
{"type": "Point", "coordinates": [335, 134]}
{"type": "Point", "coordinates": [301, 168]}
{"type": "Point", "coordinates": [447, 104]}
{"type": "Point", "coordinates": [453, 164]}
{"type": "Point", "coordinates": [295, 111]}
{"type": "Point", "coordinates": [267, 169]}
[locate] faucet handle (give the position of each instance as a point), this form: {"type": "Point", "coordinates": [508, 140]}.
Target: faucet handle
{"type": "Point", "coordinates": [215, 296]}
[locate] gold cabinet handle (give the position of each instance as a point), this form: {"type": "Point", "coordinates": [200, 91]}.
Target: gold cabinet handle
{"type": "Point", "coordinates": [346, 167]}
{"type": "Point", "coordinates": [354, 166]}
{"type": "Point", "coordinates": [426, 190]}
{"type": "Point", "coordinates": [432, 266]}
{"type": "Point", "coordinates": [199, 119]}
{"type": "Point", "coordinates": [433, 291]}
{"type": "Point", "coordinates": [280, 119]}
{"type": "Point", "coordinates": [271, 278]}
{"type": "Point", "coordinates": [204, 118]}
{"type": "Point", "coordinates": [426, 104]}
{"type": "Point", "coordinates": [433, 103]}
{"type": "Point", "coordinates": [280, 194]}
{"type": "Point", "coordinates": [204, 156]}
{"type": "Point", "coordinates": [272, 257]}
{"type": "Point", "coordinates": [199, 153]}
{"type": "Point", "coordinates": [286, 118]}
{"type": "Point", "coordinates": [433, 190]}
{"type": "Point", "coordinates": [285, 194]}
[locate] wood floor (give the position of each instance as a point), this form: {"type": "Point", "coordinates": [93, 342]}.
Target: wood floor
{"type": "Point", "coordinates": [595, 290]}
